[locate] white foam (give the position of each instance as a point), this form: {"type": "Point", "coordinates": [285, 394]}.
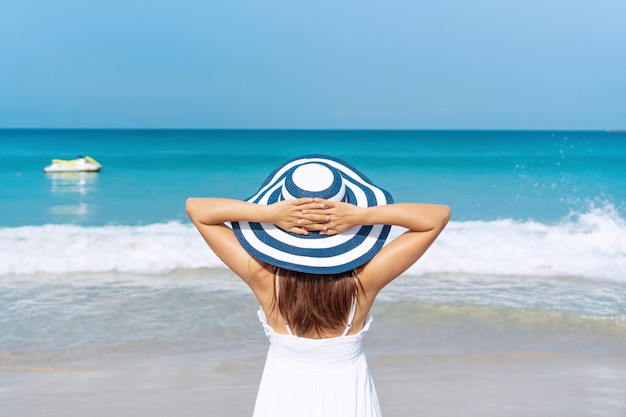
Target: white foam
{"type": "Point", "coordinates": [591, 245]}
{"type": "Point", "coordinates": [153, 248]}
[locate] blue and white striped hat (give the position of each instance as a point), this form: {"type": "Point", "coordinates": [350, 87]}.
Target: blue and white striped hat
{"type": "Point", "coordinates": [324, 177]}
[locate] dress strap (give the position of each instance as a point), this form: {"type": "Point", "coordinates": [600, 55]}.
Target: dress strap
{"type": "Point", "coordinates": [350, 317]}
{"type": "Point", "coordinates": [353, 307]}
{"type": "Point", "coordinates": [276, 286]}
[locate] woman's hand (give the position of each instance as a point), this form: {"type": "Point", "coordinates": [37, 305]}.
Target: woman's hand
{"type": "Point", "coordinates": [339, 216]}
{"type": "Point", "coordinates": [299, 216]}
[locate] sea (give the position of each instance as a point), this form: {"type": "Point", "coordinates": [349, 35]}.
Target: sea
{"type": "Point", "coordinates": [102, 269]}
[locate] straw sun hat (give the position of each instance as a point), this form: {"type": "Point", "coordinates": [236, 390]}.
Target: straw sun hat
{"type": "Point", "coordinates": [324, 177]}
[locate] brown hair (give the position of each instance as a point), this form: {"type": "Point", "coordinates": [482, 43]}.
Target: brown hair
{"type": "Point", "coordinates": [315, 301]}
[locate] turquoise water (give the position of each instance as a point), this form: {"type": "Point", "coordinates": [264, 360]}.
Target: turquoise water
{"type": "Point", "coordinates": [147, 175]}
{"type": "Point", "coordinates": [531, 202]}
{"type": "Point", "coordinates": [108, 262]}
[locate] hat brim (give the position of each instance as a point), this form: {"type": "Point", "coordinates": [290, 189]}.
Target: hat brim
{"type": "Point", "coordinates": [315, 253]}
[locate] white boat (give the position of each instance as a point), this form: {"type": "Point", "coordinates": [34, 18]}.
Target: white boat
{"type": "Point", "coordinates": [80, 164]}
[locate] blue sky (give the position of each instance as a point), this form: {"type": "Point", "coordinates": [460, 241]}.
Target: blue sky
{"type": "Point", "coordinates": [409, 64]}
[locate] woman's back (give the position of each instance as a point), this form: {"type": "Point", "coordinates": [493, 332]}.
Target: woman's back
{"type": "Point", "coordinates": [313, 305]}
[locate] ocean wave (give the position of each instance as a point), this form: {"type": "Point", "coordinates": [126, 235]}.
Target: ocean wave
{"type": "Point", "coordinates": [154, 248]}
{"type": "Point", "coordinates": [590, 244]}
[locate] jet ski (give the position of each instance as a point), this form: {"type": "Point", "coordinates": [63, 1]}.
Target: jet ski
{"type": "Point", "coordinates": [80, 164]}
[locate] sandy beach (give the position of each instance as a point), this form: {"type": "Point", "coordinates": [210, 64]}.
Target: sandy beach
{"type": "Point", "coordinates": [510, 384]}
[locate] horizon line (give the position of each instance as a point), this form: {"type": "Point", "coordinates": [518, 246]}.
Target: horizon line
{"type": "Point", "coordinates": [328, 129]}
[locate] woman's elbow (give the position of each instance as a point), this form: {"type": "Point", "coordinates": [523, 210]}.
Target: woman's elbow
{"type": "Point", "coordinates": [190, 206]}
{"type": "Point", "coordinates": [445, 215]}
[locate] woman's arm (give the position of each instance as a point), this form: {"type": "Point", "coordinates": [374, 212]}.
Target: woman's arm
{"type": "Point", "coordinates": [289, 215]}
{"type": "Point", "coordinates": [210, 214]}
{"type": "Point", "coordinates": [423, 221]}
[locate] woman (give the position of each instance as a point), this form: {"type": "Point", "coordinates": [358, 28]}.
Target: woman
{"type": "Point", "coordinates": [310, 245]}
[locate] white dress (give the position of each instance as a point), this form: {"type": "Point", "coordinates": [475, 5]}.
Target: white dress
{"type": "Point", "coordinates": [316, 377]}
